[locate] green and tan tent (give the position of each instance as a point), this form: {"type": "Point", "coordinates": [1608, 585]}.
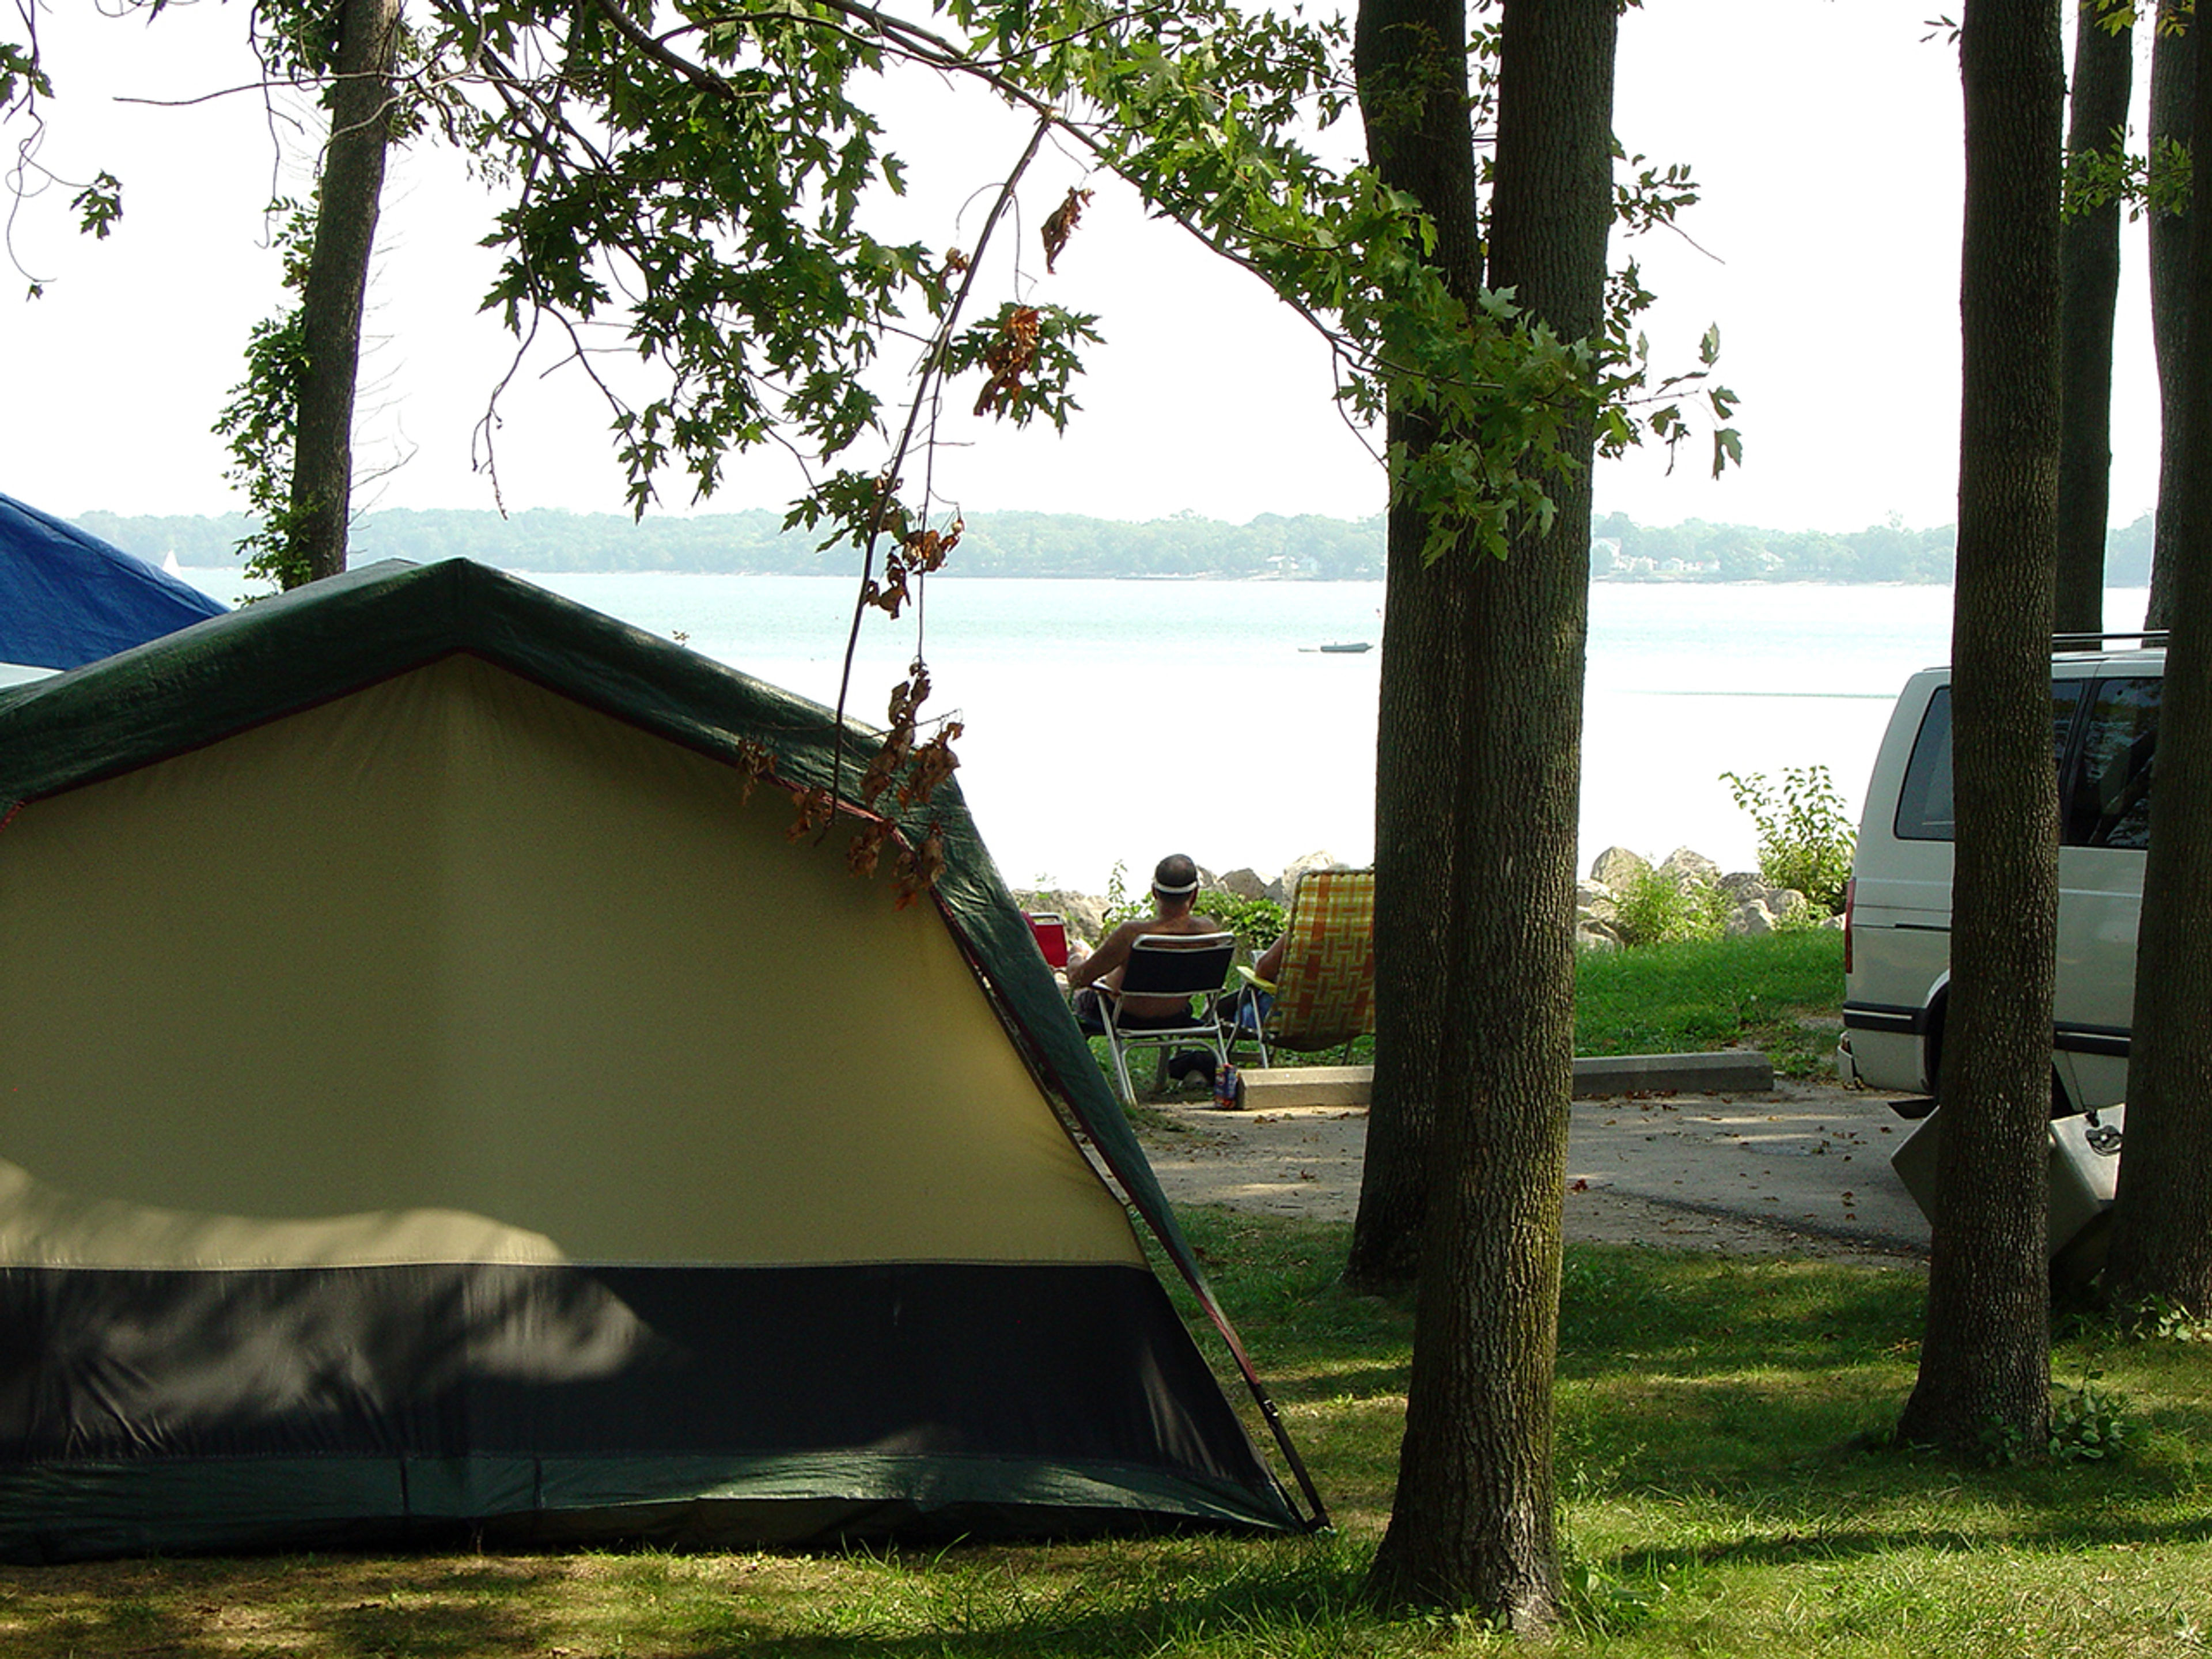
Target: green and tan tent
{"type": "Point", "coordinates": [438, 1098]}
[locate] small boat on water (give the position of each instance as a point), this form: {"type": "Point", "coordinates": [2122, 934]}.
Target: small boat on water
{"type": "Point", "coordinates": [1341, 647]}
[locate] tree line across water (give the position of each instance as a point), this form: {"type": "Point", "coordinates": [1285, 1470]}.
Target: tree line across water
{"type": "Point", "coordinates": [1054, 544]}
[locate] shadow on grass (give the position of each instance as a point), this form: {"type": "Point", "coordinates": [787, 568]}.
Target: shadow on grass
{"type": "Point", "coordinates": [390, 1631]}
{"type": "Point", "coordinates": [1124, 1603]}
{"type": "Point", "coordinates": [1818, 1546]}
{"type": "Point", "coordinates": [1118, 1600]}
{"type": "Point", "coordinates": [346, 1607]}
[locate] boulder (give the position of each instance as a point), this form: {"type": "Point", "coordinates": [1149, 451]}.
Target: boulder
{"type": "Point", "coordinates": [1786, 901]}
{"type": "Point", "coordinates": [1748, 920]}
{"type": "Point", "coordinates": [1743, 885]}
{"type": "Point", "coordinates": [1595, 936]}
{"type": "Point", "coordinates": [1617, 865]}
{"type": "Point", "coordinates": [1244, 883]}
{"type": "Point", "coordinates": [1593, 903]}
{"type": "Point", "coordinates": [1685, 868]}
{"type": "Point", "coordinates": [1296, 867]}
{"type": "Point", "coordinates": [1085, 917]}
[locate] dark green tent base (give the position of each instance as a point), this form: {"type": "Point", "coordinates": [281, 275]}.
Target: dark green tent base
{"type": "Point", "coordinates": [92, 1511]}
{"type": "Point", "coordinates": [188, 1409]}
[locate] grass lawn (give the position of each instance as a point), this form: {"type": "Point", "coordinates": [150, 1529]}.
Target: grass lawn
{"type": "Point", "coordinates": [1782, 993]}
{"type": "Point", "coordinates": [1720, 1497]}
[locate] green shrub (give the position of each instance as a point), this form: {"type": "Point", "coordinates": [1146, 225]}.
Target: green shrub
{"type": "Point", "coordinates": [1652, 908]}
{"type": "Point", "coordinates": [1806, 837]}
{"type": "Point", "coordinates": [1257, 923]}
{"type": "Point", "coordinates": [1119, 907]}
{"type": "Point", "coordinates": [2089, 1425]}
{"type": "Point", "coordinates": [1806, 918]}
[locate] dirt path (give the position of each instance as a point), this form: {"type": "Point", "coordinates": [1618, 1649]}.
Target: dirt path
{"type": "Point", "coordinates": [1803, 1171]}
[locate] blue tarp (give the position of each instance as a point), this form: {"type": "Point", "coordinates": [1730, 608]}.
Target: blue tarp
{"type": "Point", "coordinates": [68, 599]}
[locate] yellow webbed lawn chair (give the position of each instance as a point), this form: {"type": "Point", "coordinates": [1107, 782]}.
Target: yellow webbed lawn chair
{"type": "Point", "coordinates": [1323, 995]}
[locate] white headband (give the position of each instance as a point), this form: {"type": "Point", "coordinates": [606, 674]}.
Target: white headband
{"type": "Point", "coordinates": [1165, 891]}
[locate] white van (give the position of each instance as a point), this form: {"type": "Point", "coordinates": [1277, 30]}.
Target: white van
{"type": "Point", "coordinates": [1897, 930]}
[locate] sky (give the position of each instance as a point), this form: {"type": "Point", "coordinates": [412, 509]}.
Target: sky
{"type": "Point", "coordinates": [1825, 135]}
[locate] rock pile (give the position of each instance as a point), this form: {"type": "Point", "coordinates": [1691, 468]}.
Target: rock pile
{"type": "Point", "coordinates": [1085, 912]}
{"type": "Point", "coordinates": [1748, 905]}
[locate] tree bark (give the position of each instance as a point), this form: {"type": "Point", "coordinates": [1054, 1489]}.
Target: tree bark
{"type": "Point", "coordinates": [1984, 1362]}
{"type": "Point", "coordinates": [2104, 77]}
{"type": "Point", "coordinates": [2173, 119]}
{"type": "Point", "coordinates": [1424, 634]}
{"type": "Point", "coordinates": [1425, 146]}
{"type": "Point", "coordinates": [2161, 1242]}
{"type": "Point", "coordinates": [348, 199]}
{"type": "Point", "coordinates": [1472, 1521]}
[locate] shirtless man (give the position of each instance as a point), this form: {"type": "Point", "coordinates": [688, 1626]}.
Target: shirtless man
{"type": "Point", "coordinates": [1175, 889]}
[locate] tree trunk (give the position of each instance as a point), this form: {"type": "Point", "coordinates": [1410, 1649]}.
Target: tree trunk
{"type": "Point", "coordinates": [1985, 1361]}
{"type": "Point", "coordinates": [2173, 119]}
{"type": "Point", "coordinates": [1473, 1524]}
{"type": "Point", "coordinates": [1424, 146]}
{"type": "Point", "coordinates": [2103, 75]}
{"type": "Point", "coordinates": [2161, 1242]}
{"type": "Point", "coordinates": [1424, 634]}
{"type": "Point", "coordinates": [348, 198]}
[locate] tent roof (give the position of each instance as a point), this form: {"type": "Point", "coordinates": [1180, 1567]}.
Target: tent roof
{"type": "Point", "coordinates": [68, 597]}
{"type": "Point", "coordinates": [329, 638]}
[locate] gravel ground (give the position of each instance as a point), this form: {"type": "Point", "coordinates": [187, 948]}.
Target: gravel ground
{"type": "Point", "coordinates": [1802, 1172]}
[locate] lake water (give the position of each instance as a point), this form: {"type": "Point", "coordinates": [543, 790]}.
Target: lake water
{"type": "Point", "coordinates": [1119, 720]}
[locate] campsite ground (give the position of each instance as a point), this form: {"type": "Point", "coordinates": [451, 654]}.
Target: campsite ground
{"type": "Point", "coordinates": [1802, 1171]}
{"type": "Point", "coordinates": [1726, 1484]}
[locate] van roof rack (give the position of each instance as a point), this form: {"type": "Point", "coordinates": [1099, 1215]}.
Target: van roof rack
{"type": "Point", "coordinates": [2081, 641]}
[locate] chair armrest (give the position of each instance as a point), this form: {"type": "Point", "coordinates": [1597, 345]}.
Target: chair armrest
{"type": "Point", "coordinates": [1251, 978]}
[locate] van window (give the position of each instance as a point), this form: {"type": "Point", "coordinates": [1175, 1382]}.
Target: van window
{"type": "Point", "coordinates": [2108, 797]}
{"type": "Point", "coordinates": [1924, 809]}
{"type": "Point", "coordinates": [1924, 812]}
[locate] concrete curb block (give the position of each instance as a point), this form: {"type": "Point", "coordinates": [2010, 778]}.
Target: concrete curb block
{"type": "Point", "coordinates": [1307, 1086]}
{"type": "Point", "coordinates": [1729, 1072]}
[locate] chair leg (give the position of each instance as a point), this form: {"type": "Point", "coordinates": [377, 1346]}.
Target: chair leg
{"type": "Point", "coordinates": [1121, 1064]}
{"type": "Point", "coordinates": [1223, 1040]}
{"type": "Point", "coordinates": [1232, 1027]}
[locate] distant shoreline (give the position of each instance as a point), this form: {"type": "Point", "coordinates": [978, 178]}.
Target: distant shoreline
{"type": "Point", "coordinates": [1055, 547]}
{"type": "Point", "coordinates": [1764, 583]}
